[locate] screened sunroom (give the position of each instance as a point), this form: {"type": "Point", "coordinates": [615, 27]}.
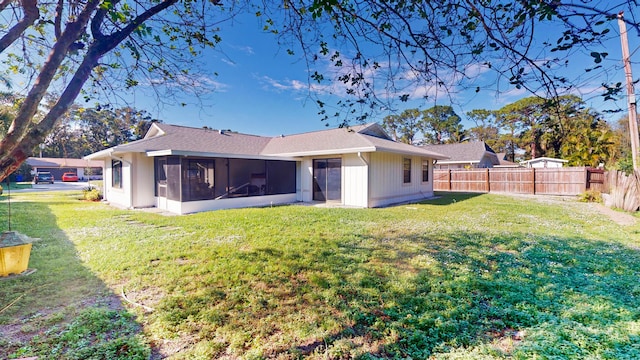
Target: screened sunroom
{"type": "Point", "coordinates": [183, 179]}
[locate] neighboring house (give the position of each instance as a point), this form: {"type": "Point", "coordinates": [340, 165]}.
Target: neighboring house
{"type": "Point", "coordinates": [473, 154]}
{"type": "Point", "coordinates": [544, 162]}
{"type": "Point", "coordinates": [504, 163]}
{"type": "Point", "coordinates": [85, 169]}
{"type": "Point", "coordinates": [185, 170]}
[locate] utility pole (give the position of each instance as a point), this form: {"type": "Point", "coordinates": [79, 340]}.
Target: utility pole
{"type": "Point", "coordinates": [631, 97]}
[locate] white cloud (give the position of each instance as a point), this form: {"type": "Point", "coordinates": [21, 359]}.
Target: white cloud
{"type": "Point", "coordinates": [245, 49]}
{"type": "Point", "coordinates": [228, 62]}
{"type": "Point", "coordinates": [191, 83]}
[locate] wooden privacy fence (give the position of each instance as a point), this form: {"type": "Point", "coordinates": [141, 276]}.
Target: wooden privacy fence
{"type": "Point", "coordinates": [624, 190]}
{"type": "Point", "coordinates": [556, 181]}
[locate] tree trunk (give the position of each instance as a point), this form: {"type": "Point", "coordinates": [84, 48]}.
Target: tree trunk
{"type": "Point", "coordinates": [9, 163]}
{"type": "Point", "coordinates": [23, 135]}
{"type": "Point", "coordinates": [533, 150]}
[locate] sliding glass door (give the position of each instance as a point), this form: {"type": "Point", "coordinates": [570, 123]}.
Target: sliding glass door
{"type": "Point", "coordinates": [327, 180]}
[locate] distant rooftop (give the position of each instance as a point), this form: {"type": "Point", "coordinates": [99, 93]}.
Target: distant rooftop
{"type": "Point", "coordinates": [62, 162]}
{"type": "Point", "coordinates": [469, 152]}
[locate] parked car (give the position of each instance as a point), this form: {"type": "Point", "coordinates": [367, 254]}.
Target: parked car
{"type": "Point", "coordinates": [69, 177]}
{"type": "Point", "coordinates": [43, 177]}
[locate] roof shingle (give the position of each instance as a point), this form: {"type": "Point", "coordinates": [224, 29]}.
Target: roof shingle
{"type": "Point", "coordinates": [472, 151]}
{"type": "Point", "coordinates": [364, 138]}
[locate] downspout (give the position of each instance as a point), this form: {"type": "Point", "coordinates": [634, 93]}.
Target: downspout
{"type": "Point", "coordinates": [362, 158]}
{"type": "Point", "coordinates": [130, 176]}
{"type": "Point", "coordinates": [368, 177]}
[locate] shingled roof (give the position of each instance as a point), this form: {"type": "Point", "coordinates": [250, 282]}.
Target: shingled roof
{"type": "Point", "coordinates": [467, 152]}
{"type": "Point", "coordinates": [62, 163]}
{"type": "Point", "coordinates": [164, 139]}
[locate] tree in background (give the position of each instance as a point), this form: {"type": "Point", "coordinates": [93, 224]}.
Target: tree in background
{"type": "Point", "coordinates": [485, 128]}
{"type": "Point", "coordinates": [87, 130]}
{"type": "Point", "coordinates": [562, 127]}
{"type": "Point", "coordinates": [57, 47]}
{"type": "Point", "coordinates": [441, 123]}
{"type": "Point", "coordinates": [525, 120]}
{"type": "Point", "coordinates": [403, 127]}
{"type": "Point", "coordinates": [560, 121]}
{"type": "Point", "coordinates": [623, 158]}
{"type": "Point", "coordinates": [8, 107]}
{"type": "Point", "coordinates": [590, 141]}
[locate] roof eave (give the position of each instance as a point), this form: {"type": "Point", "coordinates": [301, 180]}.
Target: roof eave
{"type": "Point", "coordinates": [458, 161]}
{"type": "Point", "coordinates": [326, 152]}
{"type": "Point", "coordinates": [169, 152]}
{"type": "Point", "coordinates": [102, 154]}
{"type": "Point", "coordinates": [409, 152]}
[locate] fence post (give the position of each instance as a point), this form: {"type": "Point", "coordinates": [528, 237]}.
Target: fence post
{"type": "Point", "coordinates": [449, 180]}
{"type": "Point", "coordinates": [533, 180]}
{"type": "Point", "coordinates": [587, 183]}
{"type": "Point", "coordinates": [488, 182]}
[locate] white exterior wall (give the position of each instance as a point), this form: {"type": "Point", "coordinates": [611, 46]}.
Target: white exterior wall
{"type": "Point", "coordinates": [306, 180]}
{"type": "Point", "coordinates": [386, 180]}
{"type": "Point", "coordinates": [143, 181]}
{"type": "Point", "coordinates": [235, 203]}
{"type": "Point", "coordinates": [549, 164]}
{"type": "Point", "coordinates": [355, 180]}
{"type": "Point", "coordinates": [298, 181]}
{"type": "Point", "coordinates": [120, 197]}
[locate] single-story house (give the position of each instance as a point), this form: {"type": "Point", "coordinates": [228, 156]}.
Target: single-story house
{"type": "Point", "coordinates": [504, 163]}
{"type": "Point", "coordinates": [544, 162]}
{"type": "Point", "coordinates": [472, 154]}
{"type": "Point", "coordinates": [184, 170]}
{"type": "Point", "coordinates": [85, 169]}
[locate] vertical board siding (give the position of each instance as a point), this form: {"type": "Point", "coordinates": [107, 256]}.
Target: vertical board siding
{"type": "Point", "coordinates": [143, 194]}
{"type": "Point", "coordinates": [355, 189]}
{"type": "Point", "coordinates": [550, 181]}
{"type": "Point", "coordinates": [386, 179]}
{"type": "Point", "coordinates": [306, 180]}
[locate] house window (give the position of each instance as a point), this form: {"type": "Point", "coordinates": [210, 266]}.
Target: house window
{"type": "Point", "coordinates": [406, 167]}
{"type": "Point", "coordinates": [116, 174]}
{"type": "Point", "coordinates": [425, 170]}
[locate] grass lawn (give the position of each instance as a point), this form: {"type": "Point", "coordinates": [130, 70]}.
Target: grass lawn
{"type": "Point", "coordinates": [461, 277]}
{"type": "Point", "coordinates": [15, 186]}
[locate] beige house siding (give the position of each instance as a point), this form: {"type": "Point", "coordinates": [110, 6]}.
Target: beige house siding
{"type": "Point", "coordinates": [143, 176]}
{"type": "Point", "coordinates": [121, 197]}
{"type": "Point", "coordinates": [355, 180]}
{"type": "Point", "coordinates": [386, 182]}
{"type": "Point", "coordinates": [306, 180]}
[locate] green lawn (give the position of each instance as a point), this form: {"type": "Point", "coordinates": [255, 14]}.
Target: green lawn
{"type": "Point", "coordinates": [460, 277]}
{"type": "Point", "coordinates": [15, 186]}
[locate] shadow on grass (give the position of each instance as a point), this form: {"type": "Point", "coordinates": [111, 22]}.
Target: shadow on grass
{"type": "Point", "coordinates": [517, 295]}
{"type": "Point", "coordinates": [450, 197]}
{"type": "Point", "coordinates": [62, 310]}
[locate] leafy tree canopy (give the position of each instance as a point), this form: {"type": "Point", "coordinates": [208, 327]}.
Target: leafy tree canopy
{"type": "Point", "coordinates": [401, 50]}
{"type": "Point", "coordinates": [83, 131]}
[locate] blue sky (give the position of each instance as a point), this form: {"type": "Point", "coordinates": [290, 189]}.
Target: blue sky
{"type": "Point", "coordinates": [260, 89]}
